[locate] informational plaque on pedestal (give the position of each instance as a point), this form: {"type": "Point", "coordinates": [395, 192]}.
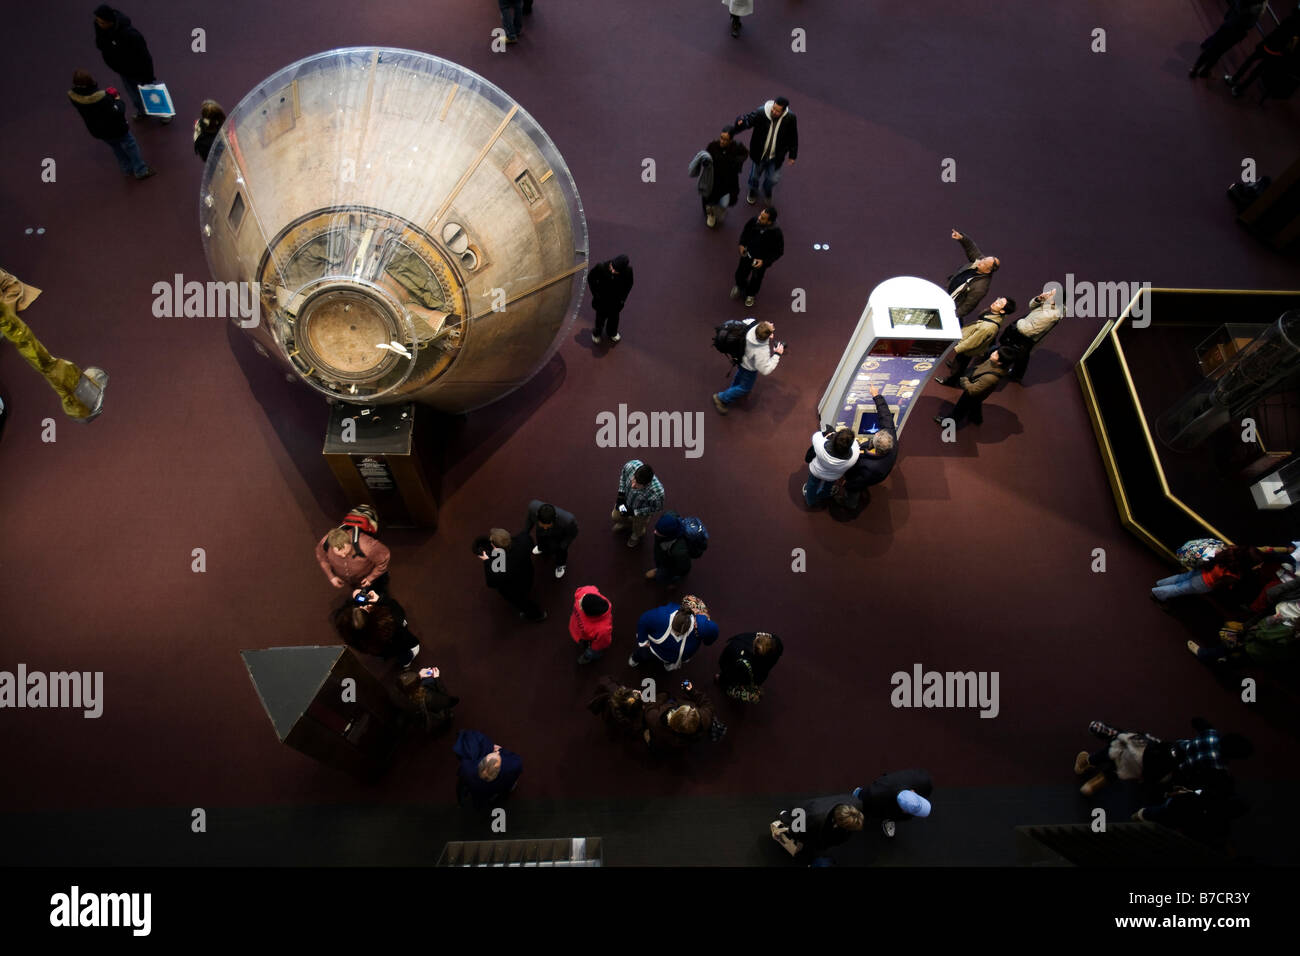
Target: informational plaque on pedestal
{"type": "Point", "coordinates": [373, 452]}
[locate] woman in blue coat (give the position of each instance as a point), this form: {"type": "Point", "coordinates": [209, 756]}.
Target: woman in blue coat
{"type": "Point", "coordinates": [673, 633]}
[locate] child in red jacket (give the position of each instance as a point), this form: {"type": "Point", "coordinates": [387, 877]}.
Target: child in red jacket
{"type": "Point", "coordinates": [592, 623]}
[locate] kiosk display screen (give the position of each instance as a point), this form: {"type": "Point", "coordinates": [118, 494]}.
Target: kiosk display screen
{"type": "Point", "coordinates": [902, 318]}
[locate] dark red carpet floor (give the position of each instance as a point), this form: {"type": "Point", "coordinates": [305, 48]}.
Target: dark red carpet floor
{"type": "Point", "coordinates": [972, 556]}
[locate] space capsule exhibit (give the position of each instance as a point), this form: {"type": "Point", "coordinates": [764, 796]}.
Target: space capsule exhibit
{"type": "Point", "coordinates": [412, 232]}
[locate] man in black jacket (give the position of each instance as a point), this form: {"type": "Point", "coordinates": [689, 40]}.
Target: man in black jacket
{"type": "Point", "coordinates": [828, 822]}
{"type": "Point", "coordinates": [125, 53]}
{"type": "Point", "coordinates": [105, 118]}
{"type": "Point", "coordinates": [508, 569]}
{"type": "Point", "coordinates": [761, 244]}
{"type": "Point", "coordinates": [610, 283]}
{"type": "Point", "coordinates": [968, 286]}
{"type": "Point", "coordinates": [556, 529]}
{"type": "Point", "coordinates": [879, 452]}
{"type": "Point", "coordinates": [775, 136]}
{"type": "Point", "coordinates": [900, 795]}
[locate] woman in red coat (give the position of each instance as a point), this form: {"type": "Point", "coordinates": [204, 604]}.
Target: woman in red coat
{"type": "Point", "coordinates": [592, 623]}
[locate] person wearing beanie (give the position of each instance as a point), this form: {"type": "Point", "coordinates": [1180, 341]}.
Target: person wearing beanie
{"type": "Point", "coordinates": [896, 797]}
{"type": "Point", "coordinates": [975, 339]}
{"type": "Point", "coordinates": [555, 530]}
{"type": "Point", "coordinates": [591, 625]}
{"type": "Point", "coordinates": [672, 556]}
{"type": "Point", "coordinates": [671, 634]}
{"type": "Point", "coordinates": [105, 117]}
{"type": "Point", "coordinates": [762, 353]}
{"type": "Point", "coordinates": [610, 283]}
{"type": "Point", "coordinates": [125, 53]}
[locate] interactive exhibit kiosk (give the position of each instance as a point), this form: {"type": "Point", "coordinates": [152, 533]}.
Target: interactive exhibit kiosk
{"type": "Point", "coordinates": [906, 327]}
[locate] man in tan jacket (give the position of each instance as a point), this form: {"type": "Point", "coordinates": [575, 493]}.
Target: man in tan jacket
{"type": "Point", "coordinates": [976, 338]}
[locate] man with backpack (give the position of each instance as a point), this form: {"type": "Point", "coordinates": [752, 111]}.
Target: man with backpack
{"type": "Point", "coordinates": [677, 541]}
{"type": "Point", "coordinates": [350, 557]}
{"type": "Point", "coordinates": [749, 345]}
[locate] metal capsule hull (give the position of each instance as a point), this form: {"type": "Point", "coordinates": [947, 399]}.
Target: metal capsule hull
{"type": "Point", "coordinates": [413, 233]}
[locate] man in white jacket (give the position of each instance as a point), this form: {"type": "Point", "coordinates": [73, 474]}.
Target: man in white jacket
{"type": "Point", "coordinates": [761, 358]}
{"type": "Point", "coordinates": [834, 451]}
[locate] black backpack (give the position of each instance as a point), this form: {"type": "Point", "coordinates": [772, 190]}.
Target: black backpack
{"type": "Point", "coordinates": [729, 338]}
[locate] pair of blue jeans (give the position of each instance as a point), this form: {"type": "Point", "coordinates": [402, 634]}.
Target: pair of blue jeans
{"type": "Point", "coordinates": [128, 155]}
{"type": "Point", "coordinates": [1177, 585]}
{"type": "Point", "coordinates": [741, 386]}
{"type": "Point", "coordinates": [817, 489]}
{"type": "Point", "coordinates": [768, 172]}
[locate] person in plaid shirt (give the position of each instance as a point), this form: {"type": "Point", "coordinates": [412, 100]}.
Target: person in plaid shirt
{"type": "Point", "coordinates": [1207, 752]}
{"type": "Point", "coordinates": [640, 498]}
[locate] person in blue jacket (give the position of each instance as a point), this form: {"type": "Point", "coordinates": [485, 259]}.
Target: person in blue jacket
{"type": "Point", "coordinates": [673, 633]}
{"type": "Point", "coordinates": [487, 772]}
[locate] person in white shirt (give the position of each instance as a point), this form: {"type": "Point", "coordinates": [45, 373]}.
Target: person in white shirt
{"type": "Point", "coordinates": [833, 452]}
{"type": "Point", "coordinates": [761, 357]}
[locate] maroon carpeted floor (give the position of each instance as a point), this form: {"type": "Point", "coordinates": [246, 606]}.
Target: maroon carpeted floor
{"type": "Point", "coordinates": [972, 556]}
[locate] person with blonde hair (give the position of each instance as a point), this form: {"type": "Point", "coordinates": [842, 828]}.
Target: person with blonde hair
{"type": "Point", "coordinates": [762, 354]}
{"type": "Point", "coordinates": [826, 822]}
{"type": "Point", "coordinates": [350, 558]}
{"type": "Point", "coordinates": [745, 663]}
{"type": "Point", "coordinates": [675, 721]}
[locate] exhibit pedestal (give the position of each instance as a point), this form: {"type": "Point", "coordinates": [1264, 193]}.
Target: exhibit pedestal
{"type": "Point", "coordinates": [377, 459]}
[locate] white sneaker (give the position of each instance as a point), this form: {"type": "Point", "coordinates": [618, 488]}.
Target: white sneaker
{"type": "Point", "coordinates": [537, 550]}
{"type": "Point", "coordinates": [749, 300]}
{"type": "Point", "coordinates": [710, 220]}
{"type": "Point", "coordinates": [559, 572]}
{"type": "Point", "coordinates": [888, 827]}
{"type": "Point", "coordinates": [615, 337]}
{"type": "Point", "coordinates": [595, 337]}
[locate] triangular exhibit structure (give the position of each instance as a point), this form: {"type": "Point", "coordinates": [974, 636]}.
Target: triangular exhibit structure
{"type": "Point", "coordinates": [288, 679]}
{"type": "Point", "coordinates": [325, 702]}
